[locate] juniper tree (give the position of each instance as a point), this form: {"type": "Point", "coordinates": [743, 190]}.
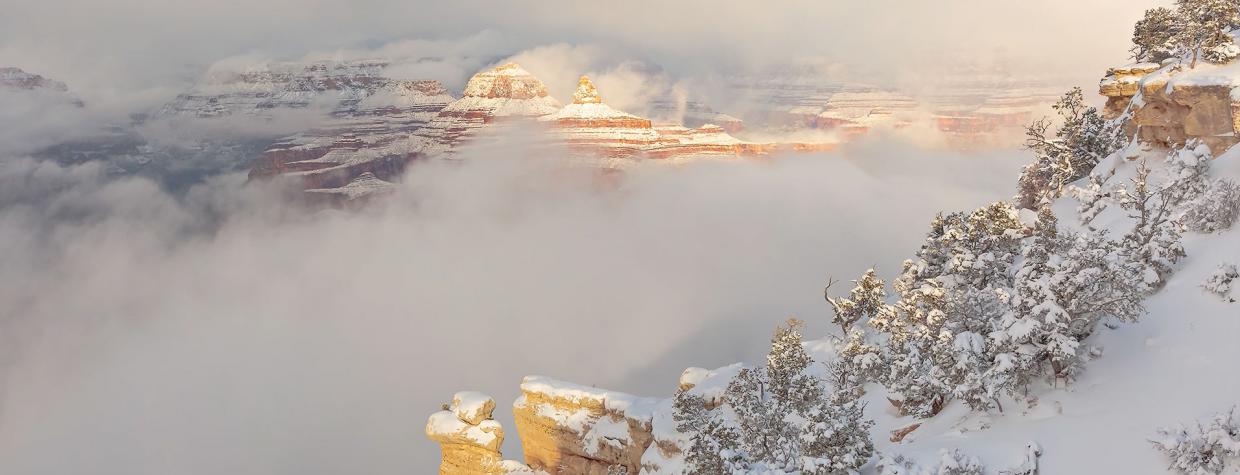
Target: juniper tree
{"type": "Point", "coordinates": [1154, 36]}
{"type": "Point", "coordinates": [1065, 154]}
{"type": "Point", "coordinates": [776, 418]}
{"type": "Point", "coordinates": [858, 360]}
{"type": "Point", "coordinates": [866, 299]}
{"type": "Point", "coordinates": [1205, 29]}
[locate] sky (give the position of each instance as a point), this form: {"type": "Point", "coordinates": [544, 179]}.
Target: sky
{"type": "Point", "coordinates": [139, 52]}
{"type": "Point", "coordinates": [219, 330]}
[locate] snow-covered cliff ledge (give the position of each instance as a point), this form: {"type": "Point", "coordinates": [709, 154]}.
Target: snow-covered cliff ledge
{"type": "Point", "coordinates": [1166, 105]}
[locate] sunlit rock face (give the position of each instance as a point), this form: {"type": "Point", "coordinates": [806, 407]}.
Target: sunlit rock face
{"type": "Point", "coordinates": [567, 428]}
{"type": "Point", "coordinates": [469, 439]}
{"type": "Point", "coordinates": [590, 126]}
{"type": "Point", "coordinates": [1167, 106]}
{"type": "Point", "coordinates": [570, 429]}
{"type": "Point", "coordinates": [1120, 85]}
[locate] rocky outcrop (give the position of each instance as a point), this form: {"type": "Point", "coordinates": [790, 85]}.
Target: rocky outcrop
{"type": "Point", "coordinates": [567, 428]}
{"type": "Point", "coordinates": [1167, 106]}
{"type": "Point", "coordinates": [468, 437]}
{"type": "Point", "coordinates": [1122, 84]}
{"type": "Point", "coordinates": [571, 429]}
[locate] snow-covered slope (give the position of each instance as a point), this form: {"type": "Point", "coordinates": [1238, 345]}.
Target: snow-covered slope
{"type": "Point", "coordinates": [1170, 366]}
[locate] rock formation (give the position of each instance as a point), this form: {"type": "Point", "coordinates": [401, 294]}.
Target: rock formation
{"type": "Point", "coordinates": [567, 428]}
{"type": "Point", "coordinates": [1168, 105]}
{"type": "Point", "coordinates": [589, 125]}
{"type": "Point", "coordinates": [855, 112]}
{"type": "Point", "coordinates": [1121, 84]}
{"type": "Point", "coordinates": [571, 429]}
{"type": "Point", "coordinates": [469, 439]}
{"type": "Point", "coordinates": [401, 121]}
{"type": "Point", "coordinates": [369, 137]}
{"type": "Point", "coordinates": [274, 87]}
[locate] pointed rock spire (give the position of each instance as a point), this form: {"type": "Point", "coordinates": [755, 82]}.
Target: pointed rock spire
{"type": "Point", "coordinates": [586, 92]}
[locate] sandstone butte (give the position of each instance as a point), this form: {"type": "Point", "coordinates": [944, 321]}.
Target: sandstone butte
{"type": "Point", "coordinates": [570, 429]}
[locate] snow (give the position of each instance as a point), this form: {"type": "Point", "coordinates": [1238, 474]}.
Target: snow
{"type": "Point", "coordinates": [1101, 423]}
{"type": "Point", "coordinates": [446, 424]}
{"type": "Point", "coordinates": [631, 406]}
{"type": "Point", "coordinates": [505, 106]}
{"type": "Point", "coordinates": [590, 110]}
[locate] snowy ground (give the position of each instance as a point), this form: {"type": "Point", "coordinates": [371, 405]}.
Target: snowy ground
{"type": "Point", "coordinates": [1176, 365]}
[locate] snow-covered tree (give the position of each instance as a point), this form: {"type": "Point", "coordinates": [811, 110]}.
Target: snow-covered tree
{"type": "Point", "coordinates": [1216, 210]}
{"type": "Point", "coordinates": [777, 418]}
{"type": "Point", "coordinates": [955, 462]}
{"type": "Point", "coordinates": [858, 359]}
{"type": "Point", "coordinates": [866, 299]}
{"type": "Point", "coordinates": [951, 462]}
{"type": "Point", "coordinates": [1154, 36]}
{"type": "Point", "coordinates": [1204, 448]}
{"type": "Point", "coordinates": [1205, 28]}
{"type": "Point", "coordinates": [1068, 153]}
{"type": "Point", "coordinates": [1153, 245]}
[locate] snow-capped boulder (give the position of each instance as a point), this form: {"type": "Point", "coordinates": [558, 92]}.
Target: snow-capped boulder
{"type": "Point", "coordinates": [571, 429]}
{"type": "Point", "coordinates": [468, 437]}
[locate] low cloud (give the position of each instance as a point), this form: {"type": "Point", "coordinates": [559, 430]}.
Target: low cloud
{"type": "Point", "coordinates": [223, 331]}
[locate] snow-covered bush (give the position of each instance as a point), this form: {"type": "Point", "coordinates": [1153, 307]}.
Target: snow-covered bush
{"type": "Point", "coordinates": [776, 418]}
{"type": "Point", "coordinates": [951, 462]}
{"type": "Point", "coordinates": [1216, 210]}
{"type": "Point", "coordinates": [954, 462]}
{"type": "Point", "coordinates": [1220, 283]}
{"type": "Point", "coordinates": [1202, 448]}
